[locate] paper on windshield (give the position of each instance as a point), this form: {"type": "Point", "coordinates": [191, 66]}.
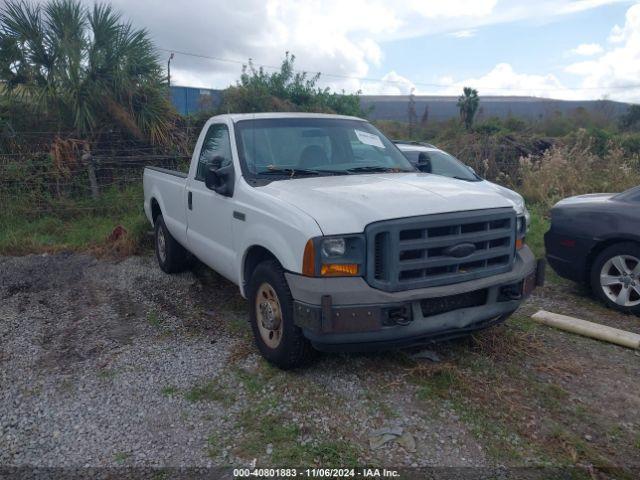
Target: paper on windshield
{"type": "Point", "coordinates": [369, 138]}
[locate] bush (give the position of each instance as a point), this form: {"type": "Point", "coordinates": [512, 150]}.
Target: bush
{"type": "Point", "coordinates": [563, 171]}
{"type": "Point", "coordinates": [285, 90]}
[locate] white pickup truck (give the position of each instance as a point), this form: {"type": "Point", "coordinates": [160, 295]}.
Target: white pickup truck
{"type": "Point", "coordinates": [335, 239]}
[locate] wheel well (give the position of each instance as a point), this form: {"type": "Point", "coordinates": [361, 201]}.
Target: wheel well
{"type": "Point", "coordinates": [155, 210]}
{"type": "Point", "coordinates": [255, 255]}
{"type": "Point", "coordinates": [598, 248]}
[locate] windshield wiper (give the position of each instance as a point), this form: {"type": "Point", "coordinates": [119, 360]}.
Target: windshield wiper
{"type": "Point", "coordinates": [289, 171]}
{"type": "Point", "coordinates": [292, 172]}
{"type": "Point", "coordinates": [466, 179]}
{"type": "Point", "coordinates": [375, 169]}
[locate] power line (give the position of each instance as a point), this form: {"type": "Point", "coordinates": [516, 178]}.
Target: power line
{"type": "Point", "coordinates": [388, 81]}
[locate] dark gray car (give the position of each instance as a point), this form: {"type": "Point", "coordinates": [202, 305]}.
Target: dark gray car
{"type": "Point", "coordinates": [595, 239]}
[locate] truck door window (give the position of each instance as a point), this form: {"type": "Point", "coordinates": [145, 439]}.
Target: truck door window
{"type": "Point", "coordinates": [216, 143]}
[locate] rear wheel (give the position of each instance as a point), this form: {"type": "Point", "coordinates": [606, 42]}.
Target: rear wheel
{"type": "Point", "coordinates": [615, 277]}
{"type": "Point", "coordinates": [172, 257]}
{"type": "Point", "coordinates": [279, 340]}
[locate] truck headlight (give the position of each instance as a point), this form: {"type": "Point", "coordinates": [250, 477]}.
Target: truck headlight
{"type": "Point", "coordinates": [333, 247]}
{"type": "Point", "coordinates": [339, 256]}
{"type": "Point", "coordinates": [522, 224]}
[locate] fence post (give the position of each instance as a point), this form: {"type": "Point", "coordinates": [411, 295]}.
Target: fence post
{"type": "Point", "coordinates": [87, 159]}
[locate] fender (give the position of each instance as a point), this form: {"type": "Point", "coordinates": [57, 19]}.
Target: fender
{"type": "Point", "coordinates": [287, 251]}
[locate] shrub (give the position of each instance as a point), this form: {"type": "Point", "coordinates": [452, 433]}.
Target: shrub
{"type": "Point", "coordinates": [563, 171]}
{"type": "Point", "coordinates": [285, 90]}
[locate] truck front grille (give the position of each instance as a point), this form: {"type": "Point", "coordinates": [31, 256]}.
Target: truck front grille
{"type": "Point", "coordinates": [441, 249]}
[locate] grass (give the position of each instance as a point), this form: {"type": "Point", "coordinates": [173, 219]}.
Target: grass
{"type": "Point", "coordinates": [121, 457]}
{"type": "Point", "coordinates": [262, 427]}
{"type": "Point", "coordinates": [107, 374]}
{"type": "Point", "coordinates": [538, 227]}
{"type": "Point", "coordinates": [77, 226]}
{"type": "Point", "coordinates": [153, 319]}
{"type": "Point", "coordinates": [211, 391]}
{"type": "Point", "coordinates": [169, 391]}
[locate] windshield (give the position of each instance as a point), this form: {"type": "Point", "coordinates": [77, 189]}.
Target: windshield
{"type": "Point", "coordinates": [631, 195]}
{"type": "Point", "coordinates": [315, 146]}
{"type": "Point", "coordinates": [440, 163]}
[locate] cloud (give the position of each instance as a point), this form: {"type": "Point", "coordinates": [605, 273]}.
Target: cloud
{"type": "Point", "coordinates": [391, 84]}
{"type": "Point", "coordinates": [617, 69]}
{"type": "Point", "coordinates": [504, 80]}
{"type": "Point", "coordinates": [463, 34]}
{"type": "Point", "coordinates": [587, 49]}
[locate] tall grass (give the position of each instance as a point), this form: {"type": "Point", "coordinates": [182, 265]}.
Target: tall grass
{"type": "Point", "coordinates": [76, 225]}
{"type": "Point", "coordinates": [563, 171]}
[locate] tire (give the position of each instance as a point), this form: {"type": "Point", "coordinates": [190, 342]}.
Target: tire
{"type": "Point", "coordinates": [279, 340]}
{"type": "Point", "coordinates": [615, 277]}
{"type": "Point", "coordinates": [172, 257]}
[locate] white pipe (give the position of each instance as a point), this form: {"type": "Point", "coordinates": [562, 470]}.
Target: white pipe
{"type": "Point", "coordinates": [588, 329]}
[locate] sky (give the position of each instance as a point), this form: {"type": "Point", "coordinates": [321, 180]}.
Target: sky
{"type": "Point", "coordinates": [568, 49]}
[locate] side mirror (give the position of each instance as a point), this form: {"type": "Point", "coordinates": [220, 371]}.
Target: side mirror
{"type": "Point", "coordinates": [220, 179]}
{"type": "Point", "coordinates": [424, 163]}
{"type": "Point", "coordinates": [211, 179]}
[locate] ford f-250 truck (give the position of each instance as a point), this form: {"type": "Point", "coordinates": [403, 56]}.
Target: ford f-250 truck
{"type": "Point", "coordinates": [335, 239]}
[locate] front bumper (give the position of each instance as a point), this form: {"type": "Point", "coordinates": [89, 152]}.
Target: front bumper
{"type": "Point", "coordinates": [347, 314]}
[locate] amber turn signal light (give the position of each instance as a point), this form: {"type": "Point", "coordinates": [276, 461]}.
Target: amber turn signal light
{"type": "Point", "coordinates": [519, 243]}
{"type": "Point", "coordinates": [339, 269]}
{"type": "Point", "coordinates": [309, 260]}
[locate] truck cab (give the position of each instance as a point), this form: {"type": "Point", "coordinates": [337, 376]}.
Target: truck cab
{"type": "Point", "coordinates": [334, 237]}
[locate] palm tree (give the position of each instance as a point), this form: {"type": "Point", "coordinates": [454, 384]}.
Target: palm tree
{"type": "Point", "coordinates": [468, 104]}
{"type": "Point", "coordinates": [86, 69]}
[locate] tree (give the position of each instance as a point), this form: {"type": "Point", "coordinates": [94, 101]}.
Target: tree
{"type": "Point", "coordinates": [285, 90]}
{"type": "Point", "coordinates": [412, 114]}
{"type": "Point", "coordinates": [424, 120]}
{"type": "Point", "coordinates": [468, 104]}
{"type": "Point", "coordinates": [86, 69]}
{"type": "Point", "coordinates": [631, 119]}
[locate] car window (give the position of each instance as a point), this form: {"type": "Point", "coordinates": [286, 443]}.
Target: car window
{"type": "Point", "coordinates": [216, 143]}
{"type": "Point", "coordinates": [318, 144]}
{"type": "Point", "coordinates": [440, 163]}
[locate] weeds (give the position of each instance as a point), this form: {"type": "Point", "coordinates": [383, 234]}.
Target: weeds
{"type": "Point", "coordinates": [77, 225]}
{"type": "Point", "coordinates": [209, 392]}
{"type": "Point", "coordinates": [563, 171]}
{"type": "Point", "coordinates": [169, 391]}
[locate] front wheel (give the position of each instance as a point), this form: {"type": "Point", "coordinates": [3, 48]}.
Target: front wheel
{"type": "Point", "coordinates": [279, 340]}
{"type": "Point", "coordinates": [615, 277]}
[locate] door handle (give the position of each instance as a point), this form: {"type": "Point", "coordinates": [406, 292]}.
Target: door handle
{"type": "Point", "coordinates": [190, 200]}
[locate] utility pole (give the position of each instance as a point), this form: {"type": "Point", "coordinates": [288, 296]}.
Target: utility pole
{"type": "Point", "coordinates": [169, 69]}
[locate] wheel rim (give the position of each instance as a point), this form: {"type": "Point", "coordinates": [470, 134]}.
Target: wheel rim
{"type": "Point", "coordinates": [620, 280]}
{"type": "Point", "coordinates": [269, 315]}
{"type": "Point", "coordinates": [161, 243]}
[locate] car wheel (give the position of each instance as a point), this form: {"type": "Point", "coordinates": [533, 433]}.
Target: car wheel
{"type": "Point", "coordinates": [279, 340]}
{"type": "Point", "coordinates": [615, 277]}
{"type": "Point", "coordinates": [172, 257]}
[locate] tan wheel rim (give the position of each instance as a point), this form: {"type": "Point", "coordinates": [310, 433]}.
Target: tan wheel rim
{"type": "Point", "coordinates": [269, 315]}
{"type": "Point", "coordinates": [162, 245]}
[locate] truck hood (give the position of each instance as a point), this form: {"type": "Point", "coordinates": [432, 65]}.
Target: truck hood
{"type": "Point", "coordinates": [347, 204]}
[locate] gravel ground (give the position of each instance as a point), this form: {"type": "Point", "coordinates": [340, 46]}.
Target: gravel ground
{"type": "Point", "coordinates": [108, 363]}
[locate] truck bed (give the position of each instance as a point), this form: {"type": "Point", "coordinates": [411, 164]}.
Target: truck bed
{"type": "Point", "coordinates": [167, 188]}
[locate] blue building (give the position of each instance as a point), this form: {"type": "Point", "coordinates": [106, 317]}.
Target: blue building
{"type": "Point", "coordinates": [189, 100]}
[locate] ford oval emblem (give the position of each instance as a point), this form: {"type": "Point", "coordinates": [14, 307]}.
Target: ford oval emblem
{"type": "Point", "coordinates": [460, 250]}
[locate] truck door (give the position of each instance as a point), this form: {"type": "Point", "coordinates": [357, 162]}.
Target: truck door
{"type": "Point", "coordinates": [209, 214]}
